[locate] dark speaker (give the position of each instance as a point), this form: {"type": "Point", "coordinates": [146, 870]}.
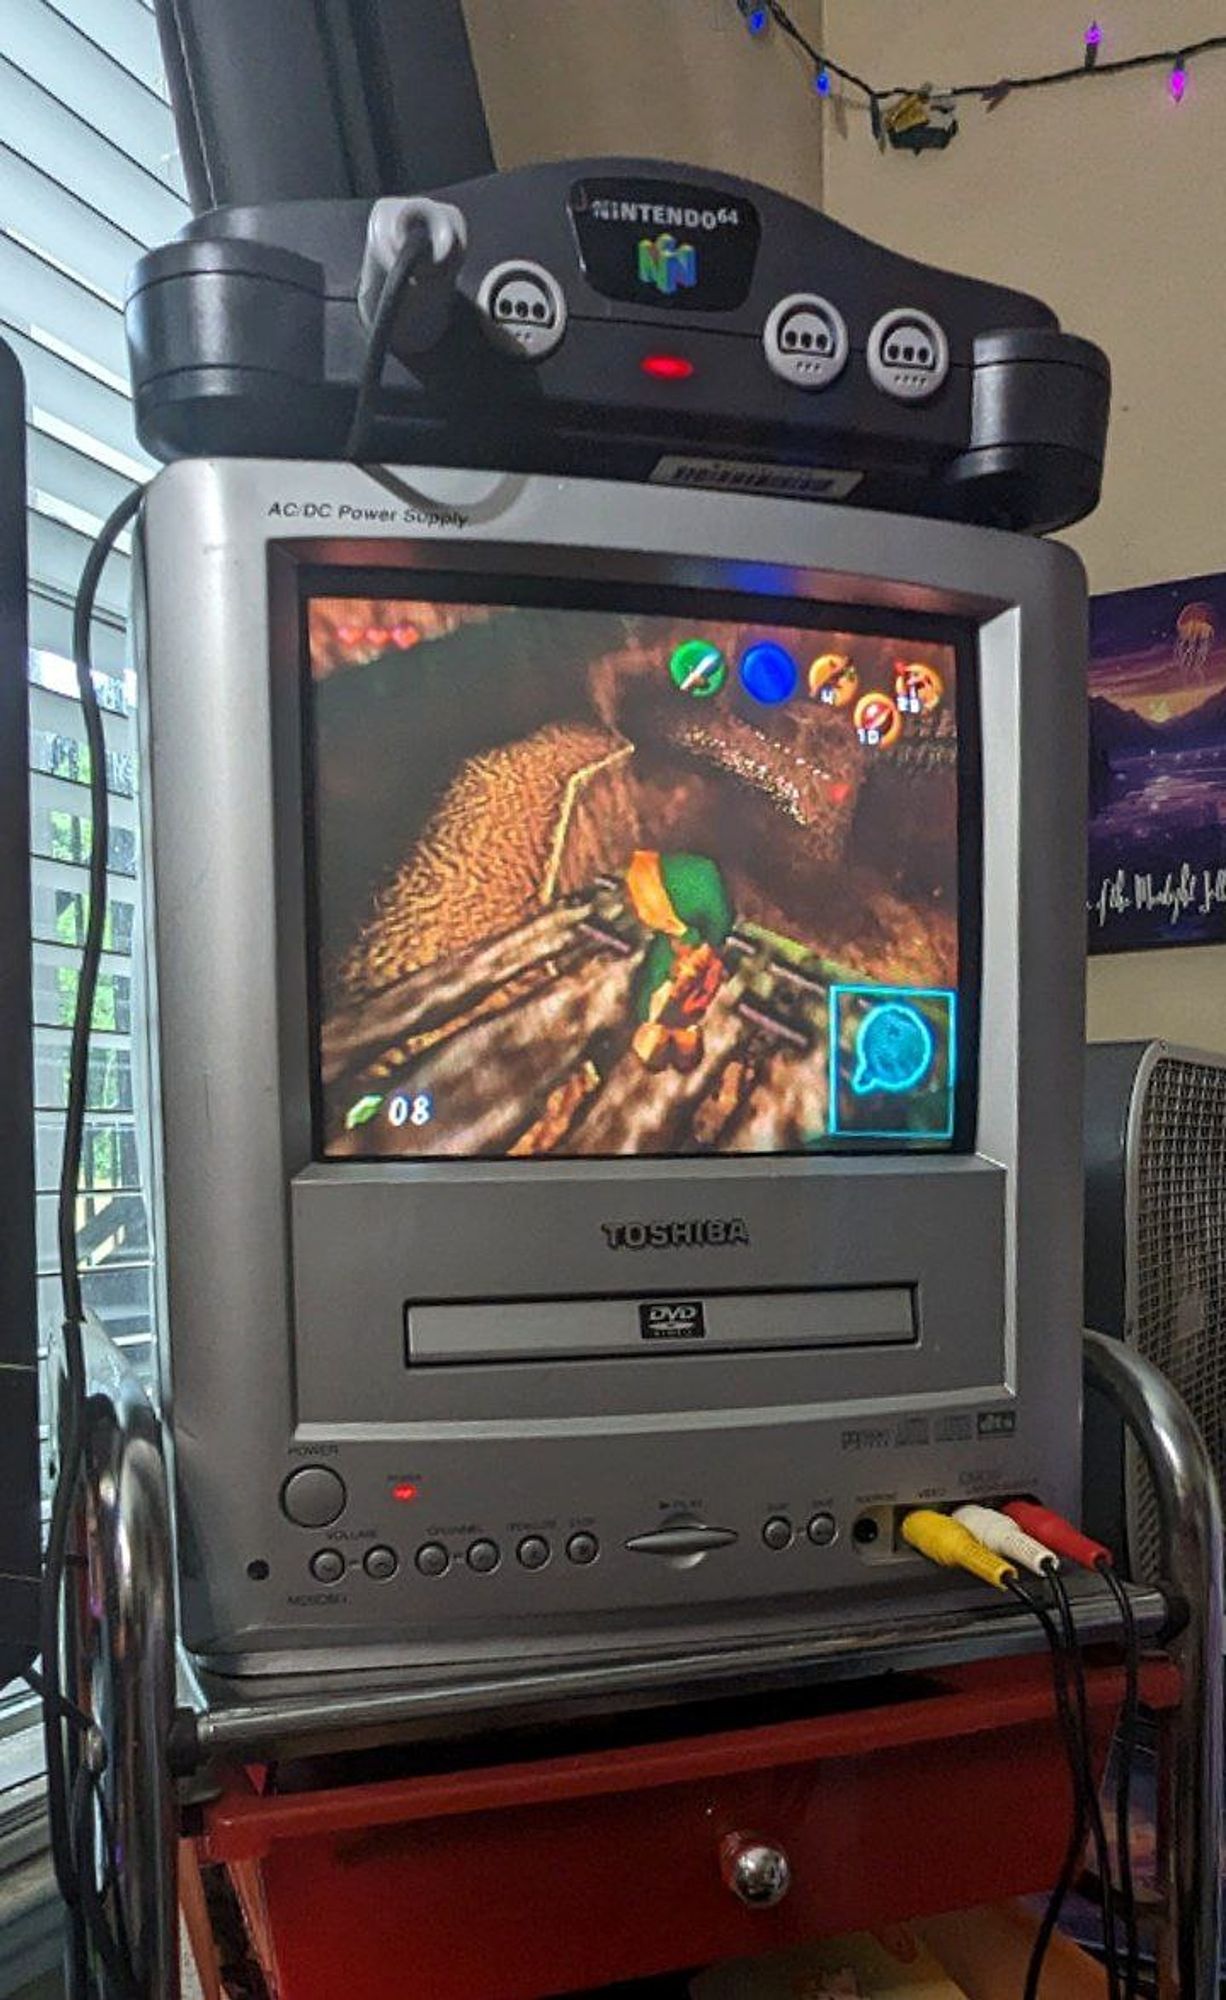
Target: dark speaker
{"type": "Point", "coordinates": [1155, 1264]}
{"type": "Point", "coordinates": [19, 1456]}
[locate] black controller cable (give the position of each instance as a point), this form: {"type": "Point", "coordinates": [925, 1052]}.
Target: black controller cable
{"type": "Point", "coordinates": [1074, 1751]}
{"type": "Point", "coordinates": [416, 245]}
{"type": "Point", "coordinates": [1125, 1752]}
{"type": "Point", "coordinates": [1102, 1851]}
{"type": "Point", "coordinates": [77, 1811]}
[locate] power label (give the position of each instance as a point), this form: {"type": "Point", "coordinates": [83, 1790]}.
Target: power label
{"type": "Point", "coordinates": [672, 1319]}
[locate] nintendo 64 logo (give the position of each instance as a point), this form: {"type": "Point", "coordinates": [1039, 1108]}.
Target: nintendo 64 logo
{"type": "Point", "coordinates": [668, 265]}
{"type": "Point", "coordinates": [672, 1319]}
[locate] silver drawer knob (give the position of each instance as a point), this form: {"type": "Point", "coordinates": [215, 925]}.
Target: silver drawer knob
{"type": "Point", "coordinates": [758, 1874]}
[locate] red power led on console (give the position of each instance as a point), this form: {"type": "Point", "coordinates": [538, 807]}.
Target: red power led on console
{"type": "Point", "coordinates": [667, 367]}
{"type": "Point", "coordinates": [405, 1489]}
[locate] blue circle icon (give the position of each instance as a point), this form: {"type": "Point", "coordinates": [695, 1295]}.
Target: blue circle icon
{"type": "Point", "coordinates": [769, 673]}
{"type": "Point", "coordinates": [894, 1049]}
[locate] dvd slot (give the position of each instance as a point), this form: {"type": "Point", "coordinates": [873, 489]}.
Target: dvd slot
{"type": "Point", "coordinates": [647, 1325]}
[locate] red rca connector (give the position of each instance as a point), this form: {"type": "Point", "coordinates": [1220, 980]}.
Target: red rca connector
{"type": "Point", "coordinates": [1058, 1534]}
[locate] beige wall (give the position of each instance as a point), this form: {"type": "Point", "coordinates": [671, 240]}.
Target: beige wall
{"type": "Point", "coordinates": [1104, 198]}
{"type": "Point", "coordinates": [673, 79]}
{"type": "Point", "coordinates": [1109, 202]}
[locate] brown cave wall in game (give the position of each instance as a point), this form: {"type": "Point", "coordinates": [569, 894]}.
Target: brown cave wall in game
{"type": "Point", "coordinates": [484, 781]}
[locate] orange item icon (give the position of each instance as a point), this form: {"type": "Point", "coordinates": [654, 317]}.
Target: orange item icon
{"type": "Point", "coordinates": [833, 679]}
{"type": "Point", "coordinates": [877, 720]}
{"type": "Point", "coordinates": [918, 688]}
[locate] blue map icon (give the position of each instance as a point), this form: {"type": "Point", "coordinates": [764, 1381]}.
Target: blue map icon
{"type": "Point", "coordinates": [894, 1049]}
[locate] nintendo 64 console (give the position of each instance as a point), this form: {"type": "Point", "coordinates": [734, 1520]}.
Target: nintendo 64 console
{"type": "Point", "coordinates": [633, 320]}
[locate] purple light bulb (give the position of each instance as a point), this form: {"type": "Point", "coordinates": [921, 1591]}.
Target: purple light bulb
{"type": "Point", "coordinates": [1094, 35]}
{"type": "Point", "coordinates": [1178, 82]}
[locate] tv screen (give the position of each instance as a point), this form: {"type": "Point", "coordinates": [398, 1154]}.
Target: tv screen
{"type": "Point", "coordinates": [631, 874]}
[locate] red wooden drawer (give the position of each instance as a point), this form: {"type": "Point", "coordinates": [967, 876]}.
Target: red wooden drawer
{"type": "Point", "coordinates": [523, 1880]}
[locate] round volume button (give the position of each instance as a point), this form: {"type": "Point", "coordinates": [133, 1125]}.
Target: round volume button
{"type": "Point", "coordinates": [327, 1566]}
{"type": "Point", "coordinates": [582, 1549]}
{"type": "Point", "coordinates": [533, 1552]}
{"type": "Point", "coordinates": [822, 1530]}
{"type": "Point", "coordinates": [314, 1496]}
{"type": "Point", "coordinates": [777, 1532]}
{"type": "Point", "coordinates": [432, 1559]}
{"type": "Point", "coordinates": [380, 1563]}
{"type": "Point", "coordinates": [484, 1556]}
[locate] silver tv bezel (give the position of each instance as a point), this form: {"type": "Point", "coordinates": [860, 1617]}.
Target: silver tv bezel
{"type": "Point", "coordinates": [261, 1239]}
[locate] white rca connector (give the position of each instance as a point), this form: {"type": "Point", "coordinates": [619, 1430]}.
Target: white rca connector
{"type": "Point", "coordinates": [1003, 1536]}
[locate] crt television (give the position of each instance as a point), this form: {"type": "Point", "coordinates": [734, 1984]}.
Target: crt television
{"type": "Point", "coordinates": [618, 981]}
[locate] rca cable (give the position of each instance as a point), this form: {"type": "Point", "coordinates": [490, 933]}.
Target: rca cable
{"type": "Point", "coordinates": [1019, 1548]}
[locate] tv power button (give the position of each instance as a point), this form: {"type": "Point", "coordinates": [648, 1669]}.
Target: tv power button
{"type": "Point", "coordinates": [314, 1496]}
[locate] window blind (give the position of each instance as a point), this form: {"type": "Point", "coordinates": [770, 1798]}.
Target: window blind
{"type": "Point", "coordinates": [88, 178]}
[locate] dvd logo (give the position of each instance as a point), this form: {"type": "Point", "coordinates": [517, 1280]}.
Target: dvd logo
{"type": "Point", "coordinates": [672, 1319]}
{"type": "Point", "coordinates": [711, 1233]}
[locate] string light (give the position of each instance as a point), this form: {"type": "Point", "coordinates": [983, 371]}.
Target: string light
{"type": "Point", "coordinates": [881, 100]}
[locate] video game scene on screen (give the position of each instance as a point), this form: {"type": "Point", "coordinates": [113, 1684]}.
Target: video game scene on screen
{"type": "Point", "coordinates": [595, 883]}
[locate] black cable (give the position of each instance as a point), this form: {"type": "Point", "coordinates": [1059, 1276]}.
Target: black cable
{"type": "Point", "coordinates": [95, 927]}
{"type": "Point", "coordinates": [787, 26]}
{"type": "Point", "coordinates": [1102, 1851]}
{"type": "Point", "coordinates": [1126, 1749]}
{"type": "Point", "coordinates": [70, 1443]}
{"type": "Point", "coordinates": [408, 257]}
{"type": "Point", "coordinates": [67, 1710]}
{"type": "Point", "coordinates": [87, 1809]}
{"type": "Point", "coordinates": [66, 1859]}
{"type": "Point", "coordinates": [1079, 1822]}
{"type": "Point", "coordinates": [1077, 73]}
{"type": "Point", "coordinates": [1001, 86]}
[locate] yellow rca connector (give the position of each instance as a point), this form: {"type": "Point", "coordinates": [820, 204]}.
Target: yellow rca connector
{"type": "Point", "coordinates": [947, 1542]}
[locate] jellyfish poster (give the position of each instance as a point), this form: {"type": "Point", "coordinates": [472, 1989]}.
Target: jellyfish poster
{"type": "Point", "coordinates": [1158, 766]}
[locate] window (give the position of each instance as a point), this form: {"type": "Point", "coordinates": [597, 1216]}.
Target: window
{"type": "Point", "coordinates": [88, 178]}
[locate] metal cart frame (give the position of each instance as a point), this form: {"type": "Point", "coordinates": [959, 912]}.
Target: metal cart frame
{"type": "Point", "coordinates": [120, 1646]}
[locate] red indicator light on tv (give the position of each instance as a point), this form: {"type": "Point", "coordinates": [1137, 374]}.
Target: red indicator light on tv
{"type": "Point", "coordinates": [404, 1489]}
{"type": "Point", "coordinates": [667, 367]}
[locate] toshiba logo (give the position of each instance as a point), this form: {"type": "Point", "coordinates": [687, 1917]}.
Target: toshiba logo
{"type": "Point", "coordinates": [711, 1233]}
{"type": "Point", "coordinates": [672, 1319]}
